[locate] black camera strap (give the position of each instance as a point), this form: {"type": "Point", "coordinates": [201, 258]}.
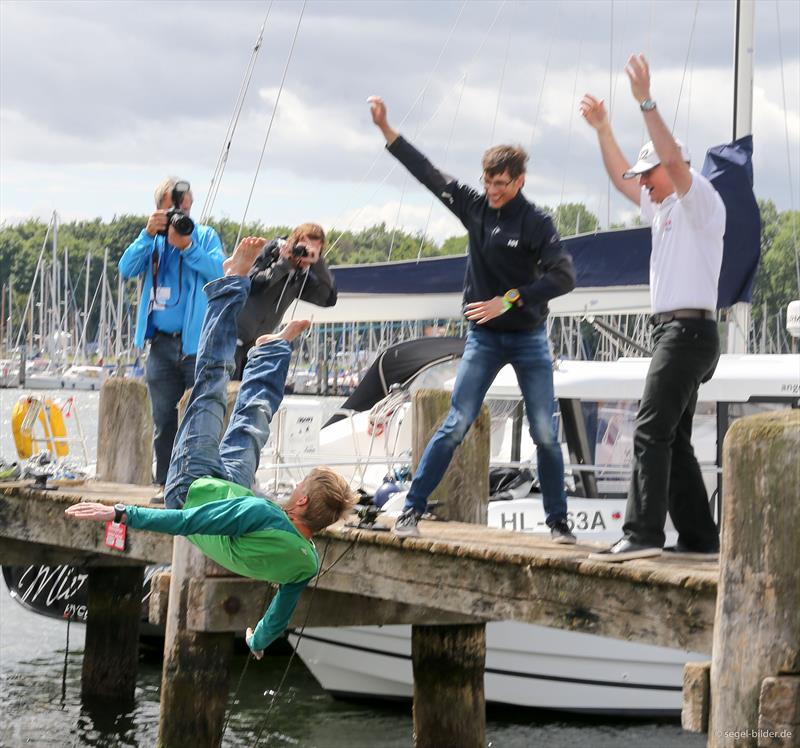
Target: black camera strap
{"type": "Point", "coordinates": [154, 264]}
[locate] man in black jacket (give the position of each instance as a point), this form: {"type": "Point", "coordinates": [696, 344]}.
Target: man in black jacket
{"type": "Point", "coordinates": [287, 269]}
{"type": "Point", "coordinates": [516, 265]}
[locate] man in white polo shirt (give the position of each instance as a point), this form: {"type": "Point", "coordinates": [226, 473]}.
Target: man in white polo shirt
{"type": "Point", "coordinates": [687, 217]}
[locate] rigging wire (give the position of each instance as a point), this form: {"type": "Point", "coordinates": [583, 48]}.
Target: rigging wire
{"type": "Point", "coordinates": [553, 34]}
{"type": "Point", "coordinates": [271, 121]}
{"type": "Point", "coordinates": [222, 160]}
{"type": "Point", "coordinates": [685, 64]}
{"type": "Point", "coordinates": [297, 644]}
{"type": "Point", "coordinates": [559, 212]}
{"type": "Point", "coordinates": [429, 120]}
{"type": "Point", "coordinates": [444, 163]}
{"type": "Point", "coordinates": [788, 153]}
{"type": "Point", "coordinates": [500, 85]}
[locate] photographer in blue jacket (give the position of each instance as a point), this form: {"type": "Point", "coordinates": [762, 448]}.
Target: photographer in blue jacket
{"type": "Point", "coordinates": [176, 258]}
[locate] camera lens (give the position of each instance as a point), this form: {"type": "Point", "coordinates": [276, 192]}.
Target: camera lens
{"type": "Point", "coordinates": [299, 250]}
{"type": "Point", "coordinates": [181, 223]}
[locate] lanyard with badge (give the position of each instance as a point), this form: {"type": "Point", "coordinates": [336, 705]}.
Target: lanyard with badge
{"type": "Point", "coordinates": [180, 221]}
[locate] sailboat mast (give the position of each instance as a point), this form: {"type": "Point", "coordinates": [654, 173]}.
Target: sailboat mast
{"type": "Point", "coordinates": [739, 314]}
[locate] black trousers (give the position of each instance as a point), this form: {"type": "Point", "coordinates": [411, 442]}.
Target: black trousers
{"type": "Point", "coordinates": [666, 475]}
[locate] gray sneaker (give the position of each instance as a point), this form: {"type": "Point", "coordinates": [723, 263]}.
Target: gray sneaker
{"type": "Point", "coordinates": [405, 525]}
{"type": "Point", "coordinates": [560, 533]}
{"type": "Point", "coordinates": [625, 550]}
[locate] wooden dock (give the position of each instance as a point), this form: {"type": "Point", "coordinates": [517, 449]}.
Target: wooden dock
{"type": "Point", "coordinates": [448, 583]}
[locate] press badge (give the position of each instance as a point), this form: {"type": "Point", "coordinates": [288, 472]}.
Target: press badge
{"type": "Point", "coordinates": [163, 294]}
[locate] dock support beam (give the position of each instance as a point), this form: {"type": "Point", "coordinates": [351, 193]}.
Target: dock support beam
{"type": "Point", "coordinates": [757, 626]}
{"type": "Point", "coordinates": [124, 455]}
{"type": "Point", "coordinates": [448, 661]}
{"type": "Point", "coordinates": [195, 676]}
{"type": "Point", "coordinates": [111, 653]}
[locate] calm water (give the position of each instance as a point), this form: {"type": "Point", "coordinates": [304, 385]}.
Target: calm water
{"type": "Point", "coordinates": [39, 708]}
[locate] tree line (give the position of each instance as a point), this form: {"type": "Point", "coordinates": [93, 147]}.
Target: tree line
{"type": "Point", "coordinates": [775, 286]}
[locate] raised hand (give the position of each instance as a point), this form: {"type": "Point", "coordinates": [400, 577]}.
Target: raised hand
{"type": "Point", "coordinates": [377, 108]}
{"type": "Point", "coordinates": [594, 111]}
{"type": "Point", "coordinates": [639, 76]}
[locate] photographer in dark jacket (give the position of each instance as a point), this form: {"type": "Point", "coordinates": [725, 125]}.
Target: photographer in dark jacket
{"type": "Point", "coordinates": [516, 264]}
{"type": "Point", "coordinates": [287, 269]}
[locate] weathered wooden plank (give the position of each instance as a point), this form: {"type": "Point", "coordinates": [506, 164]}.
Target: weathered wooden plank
{"type": "Point", "coordinates": [696, 696]}
{"type": "Point", "coordinates": [38, 517]}
{"type": "Point", "coordinates": [559, 595]}
{"type": "Point", "coordinates": [234, 603]}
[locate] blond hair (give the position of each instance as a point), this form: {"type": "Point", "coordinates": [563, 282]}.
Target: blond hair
{"type": "Point", "coordinates": [329, 497]}
{"type": "Point", "coordinates": [165, 187]}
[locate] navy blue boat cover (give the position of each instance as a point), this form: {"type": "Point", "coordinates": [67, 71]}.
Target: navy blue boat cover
{"type": "Point", "coordinates": [607, 258]}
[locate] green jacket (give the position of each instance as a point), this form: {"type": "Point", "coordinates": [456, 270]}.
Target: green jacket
{"type": "Point", "coordinates": [246, 534]}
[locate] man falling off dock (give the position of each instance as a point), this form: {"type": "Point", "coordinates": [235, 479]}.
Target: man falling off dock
{"type": "Point", "coordinates": [208, 491]}
{"type": "Point", "coordinates": [516, 265]}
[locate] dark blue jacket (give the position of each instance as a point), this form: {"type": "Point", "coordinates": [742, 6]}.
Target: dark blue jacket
{"type": "Point", "coordinates": [516, 246]}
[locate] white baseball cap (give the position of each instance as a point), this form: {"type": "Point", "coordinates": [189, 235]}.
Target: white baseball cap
{"type": "Point", "coordinates": [648, 159]}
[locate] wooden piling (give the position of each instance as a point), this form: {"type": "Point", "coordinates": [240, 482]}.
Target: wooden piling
{"type": "Point", "coordinates": [195, 675]}
{"type": "Point", "coordinates": [464, 490]}
{"type": "Point", "coordinates": [124, 455]}
{"type": "Point", "coordinates": [125, 432]}
{"type": "Point", "coordinates": [111, 651]}
{"type": "Point", "coordinates": [448, 661]}
{"type": "Point", "coordinates": [757, 626]}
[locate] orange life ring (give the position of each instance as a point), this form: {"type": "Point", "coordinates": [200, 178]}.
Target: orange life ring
{"type": "Point", "coordinates": [52, 421]}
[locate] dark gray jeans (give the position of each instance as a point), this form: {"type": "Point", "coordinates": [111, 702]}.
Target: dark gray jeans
{"type": "Point", "coordinates": [666, 475]}
{"type": "Point", "coordinates": [168, 373]}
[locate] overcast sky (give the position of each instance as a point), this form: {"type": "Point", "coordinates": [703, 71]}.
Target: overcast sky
{"type": "Point", "coordinates": [100, 100]}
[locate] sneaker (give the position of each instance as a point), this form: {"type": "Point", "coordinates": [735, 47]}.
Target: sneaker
{"type": "Point", "coordinates": [158, 499]}
{"type": "Point", "coordinates": [625, 550]}
{"type": "Point", "coordinates": [405, 525]}
{"type": "Point", "coordinates": [560, 533]}
{"type": "Point", "coordinates": [706, 555]}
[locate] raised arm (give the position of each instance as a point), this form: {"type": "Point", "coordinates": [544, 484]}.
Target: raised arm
{"type": "Point", "coordinates": [593, 111]}
{"type": "Point", "coordinates": [454, 195]}
{"type": "Point", "coordinates": [667, 149]}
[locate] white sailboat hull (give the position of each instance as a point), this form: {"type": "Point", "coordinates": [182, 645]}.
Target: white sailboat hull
{"type": "Point", "coordinates": [526, 665]}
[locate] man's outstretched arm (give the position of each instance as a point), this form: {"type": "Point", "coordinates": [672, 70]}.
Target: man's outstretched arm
{"type": "Point", "coordinates": [225, 517]}
{"type": "Point", "coordinates": [667, 149]}
{"type": "Point", "coordinates": [594, 112]}
{"type": "Point", "coordinates": [454, 195]}
{"type": "Point", "coordinates": [276, 619]}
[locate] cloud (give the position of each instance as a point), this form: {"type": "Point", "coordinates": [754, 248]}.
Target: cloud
{"type": "Point", "coordinates": [93, 94]}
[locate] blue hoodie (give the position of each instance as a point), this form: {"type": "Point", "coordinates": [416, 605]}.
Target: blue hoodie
{"type": "Point", "coordinates": [202, 263]}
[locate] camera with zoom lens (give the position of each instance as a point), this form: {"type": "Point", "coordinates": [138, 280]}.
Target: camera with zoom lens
{"type": "Point", "coordinates": [176, 217]}
{"type": "Point", "coordinates": [300, 250]}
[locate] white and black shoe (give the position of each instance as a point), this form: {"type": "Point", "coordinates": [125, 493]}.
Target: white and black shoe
{"type": "Point", "coordinates": [561, 533]}
{"type": "Point", "coordinates": [625, 550]}
{"type": "Point", "coordinates": [405, 525]}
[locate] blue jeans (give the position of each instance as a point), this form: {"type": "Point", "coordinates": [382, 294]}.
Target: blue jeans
{"type": "Point", "coordinates": [200, 447]}
{"type": "Point", "coordinates": [168, 373]}
{"type": "Point", "coordinates": [485, 353]}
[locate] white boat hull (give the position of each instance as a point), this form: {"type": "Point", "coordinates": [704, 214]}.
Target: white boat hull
{"type": "Point", "coordinates": [526, 665]}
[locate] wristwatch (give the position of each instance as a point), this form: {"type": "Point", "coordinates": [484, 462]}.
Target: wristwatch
{"type": "Point", "coordinates": [647, 105]}
{"type": "Point", "coordinates": [119, 510]}
{"type": "Point", "coordinates": [511, 298]}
